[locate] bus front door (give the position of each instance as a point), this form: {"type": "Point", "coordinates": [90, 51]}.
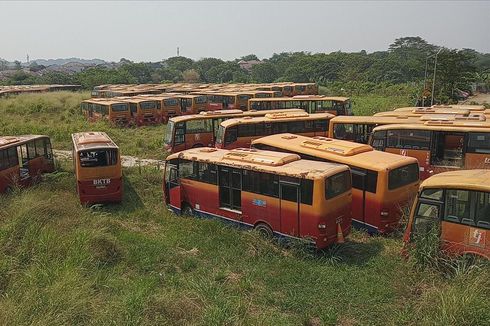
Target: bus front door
{"type": "Point", "coordinates": [173, 196]}
{"type": "Point", "coordinates": [359, 195]}
{"type": "Point", "coordinates": [289, 208]}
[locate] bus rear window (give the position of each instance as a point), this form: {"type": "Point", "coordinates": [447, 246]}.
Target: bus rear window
{"type": "Point", "coordinates": [98, 158]}
{"type": "Point", "coordinates": [403, 176]}
{"type": "Point", "coordinates": [121, 107]}
{"type": "Point", "coordinates": [337, 184]}
{"type": "Point", "coordinates": [148, 105]}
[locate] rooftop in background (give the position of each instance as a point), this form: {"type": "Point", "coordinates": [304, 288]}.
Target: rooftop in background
{"type": "Point", "coordinates": [17, 89]}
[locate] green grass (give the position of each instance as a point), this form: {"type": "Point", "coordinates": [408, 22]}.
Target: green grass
{"type": "Point", "coordinates": [58, 115]}
{"type": "Point", "coordinates": [136, 263]}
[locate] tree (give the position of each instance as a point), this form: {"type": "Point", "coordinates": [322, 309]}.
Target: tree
{"type": "Point", "coordinates": [249, 57]}
{"type": "Point", "coordinates": [18, 65]}
{"type": "Point", "coordinates": [190, 76]}
{"type": "Point", "coordinates": [264, 73]}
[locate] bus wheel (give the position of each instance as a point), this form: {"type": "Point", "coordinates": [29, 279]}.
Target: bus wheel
{"type": "Point", "coordinates": [197, 145]}
{"type": "Point", "coordinates": [264, 230]}
{"type": "Point", "coordinates": [187, 210]}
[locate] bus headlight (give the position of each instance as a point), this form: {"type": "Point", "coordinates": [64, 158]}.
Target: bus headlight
{"type": "Point", "coordinates": [322, 226]}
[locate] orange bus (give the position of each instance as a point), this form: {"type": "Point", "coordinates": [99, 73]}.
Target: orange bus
{"type": "Point", "coordinates": [218, 100]}
{"type": "Point", "coordinates": [439, 146]}
{"type": "Point", "coordinates": [274, 193]}
{"type": "Point", "coordinates": [198, 130]}
{"type": "Point", "coordinates": [193, 104]}
{"type": "Point", "coordinates": [309, 103]}
{"type": "Point", "coordinates": [97, 165]}
{"type": "Point", "coordinates": [455, 206]}
{"type": "Point", "coordinates": [168, 105]}
{"type": "Point", "coordinates": [305, 89]}
{"type": "Point", "coordinates": [23, 159]}
{"type": "Point", "coordinates": [143, 110]}
{"type": "Point", "coordinates": [382, 183]}
{"type": "Point", "coordinates": [113, 110]}
{"type": "Point", "coordinates": [239, 132]}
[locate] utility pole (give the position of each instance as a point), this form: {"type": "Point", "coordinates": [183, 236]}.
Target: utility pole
{"type": "Point", "coordinates": [434, 78]}
{"type": "Point", "coordinates": [425, 79]}
{"type": "Point", "coordinates": [178, 52]}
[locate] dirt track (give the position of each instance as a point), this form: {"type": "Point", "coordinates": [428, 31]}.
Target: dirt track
{"type": "Point", "coordinates": [127, 161]}
{"type": "Point", "coordinates": [480, 98]}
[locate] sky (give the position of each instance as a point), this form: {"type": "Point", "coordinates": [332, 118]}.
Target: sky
{"type": "Point", "coordinates": [152, 31]}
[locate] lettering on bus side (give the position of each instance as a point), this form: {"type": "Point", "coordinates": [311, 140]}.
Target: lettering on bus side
{"type": "Point", "coordinates": [259, 202]}
{"type": "Point", "coordinates": [487, 160]}
{"type": "Point", "coordinates": [101, 182]}
{"type": "Point", "coordinates": [477, 238]}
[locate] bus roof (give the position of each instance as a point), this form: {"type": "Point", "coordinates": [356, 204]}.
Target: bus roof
{"type": "Point", "coordinates": [300, 97]}
{"type": "Point", "coordinates": [8, 141]}
{"type": "Point", "coordinates": [107, 101]}
{"type": "Point", "coordinates": [92, 139]}
{"type": "Point", "coordinates": [340, 151]}
{"type": "Point", "coordinates": [264, 161]}
{"type": "Point", "coordinates": [481, 126]}
{"type": "Point", "coordinates": [134, 99]}
{"type": "Point", "coordinates": [461, 179]}
{"type": "Point", "coordinates": [277, 117]}
{"type": "Point", "coordinates": [227, 113]}
{"type": "Point", "coordinates": [375, 119]}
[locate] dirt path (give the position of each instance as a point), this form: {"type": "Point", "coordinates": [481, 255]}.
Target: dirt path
{"type": "Point", "coordinates": [127, 161]}
{"type": "Point", "coordinates": [480, 98]}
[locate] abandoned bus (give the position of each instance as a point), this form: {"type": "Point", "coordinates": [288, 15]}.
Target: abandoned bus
{"type": "Point", "coordinates": [382, 183]}
{"type": "Point", "coordinates": [275, 193]}
{"type": "Point", "coordinates": [454, 206]}
{"type": "Point", "coordinates": [23, 159]}
{"type": "Point", "coordinates": [198, 130]}
{"type": "Point", "coordinates": [168, 105]}
{"type": "Point", "coordinates": [193, 104]}
{"type": "Point", "coordinates": [116, 111]}
{"type": "Point", "coordinates": [309, 103]}
{"type": "Point", "coordinates": [239, 132]}
{"type": "Point", "coordinates": [143, 110]}
{"type": "Point", "coordinates": [439, 146]}
{"type": "Point", "coordinates": [97, 165]}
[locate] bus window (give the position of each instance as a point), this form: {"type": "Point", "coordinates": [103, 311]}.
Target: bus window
{"type": "Point", "coordinates": [426, 218]}
{"type": "Point", "coordinates": [458, 206]}
{"type": "Point", "coordinates": [447, 149]}
{"type": "Point", "coordinates": [198, 126]}
{"type": "Point", "coordinates": [403, 176]}
{"type": "Point", "coordinates": [478, 143]}
{"type": "Point", "coordinates": [337, 184]}
{"type": "Point", "coordinates": [408, 139]}
{"type": "Point", "coordinates": [231, 135]}
{"type": "Point", "coordinates": [230, 185]}
{"type": "Point", "coordinates": [483, 210]}
{"type": "Point", "coordinates": [98, 158]}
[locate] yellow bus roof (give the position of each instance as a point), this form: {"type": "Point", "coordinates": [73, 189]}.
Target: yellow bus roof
{"type": "Point", "coordinates": [300, 98]}
{"type": "Point", "coordinates": [134, 99]}
{"type": "Point", "coordinates": [227, 113]}
{"type": "Point", "coordinates": [8, 141]}
{"type": "Point", "coordinates": [107, 101]}
{"type": "Point", "coordinates": [92, 140]}
{"type": "Point", "coordinates": [264, 161]}
{"type": "Point", "coordinates": [375, 119]}
{"type": "Point", "coordinates": [479, 126]}
{"type": "Point", "coordinates": [461, 179]}
{"type": "Point", "coordinates": [340, 151]}
{"type": "Point", "coordinates": [277, 117]}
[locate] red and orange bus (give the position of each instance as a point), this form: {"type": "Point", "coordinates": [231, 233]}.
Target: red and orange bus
{"type": "Point", "coordinates": [198, 130]}
{"type": "Point", "coordinates": [275, 193]}
{"type": "Point", "coordinates": [239, 132]}
{"type": "Point", "coordinates": [113, 110]}
{"type": "Point", "coordinates": [143, 111]}
{"type": "Point", "coordinates": [309, 103]}
{"type": "Point", "coordinates": [193, 104]}
{"type": "Point", "coordinates": [167, 104]}
{"type": "Point", "coordinates": [439, 146]}
{"type": "Point", "coordinates": [382, 183]}
{"type": "Point", "coordinates": [23, 159]}
{"type": "Point", "coordinates": [454, 207]}
{"type": "Point", "coordinates": [97, 165]}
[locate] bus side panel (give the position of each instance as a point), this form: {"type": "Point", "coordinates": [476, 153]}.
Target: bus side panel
{"type": "Point", "coordinates": [339, 211]}
{"type": "Point", "coordinates": [372, 216]}
{"type": "Point", "coordinates": [463, 239]}
{"type": "Point", "coordinates": [199, 140]}
{"type": "Point", "coordinates": [309, 218]}
{"type": "Point", "coordinates": [39, 165]}
{"type": "Point", "coordinates": [423, 156]}
{"type": "Point", "coordinates": [259, 208]}
{"type": "Point", "coordinates": [9, 177]}
{"type": "Point", "coordinates": [395, 203]}
{"type": "Point", "coordinates": [477, 161]}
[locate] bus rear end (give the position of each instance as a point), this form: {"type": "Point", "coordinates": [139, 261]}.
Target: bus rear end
{"type": "Point", "coordinates": [148, 113]}
{"type": "Point", "coordinates": [119, 114]}
{"type": "Point", "coordinates": [99, 174]}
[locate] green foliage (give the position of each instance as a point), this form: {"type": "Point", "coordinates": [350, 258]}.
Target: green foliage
{"type": "Point", "coordinates": [264, 73]}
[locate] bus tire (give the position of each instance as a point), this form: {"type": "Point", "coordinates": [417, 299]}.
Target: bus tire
{"type": "Point", "coordinates": [264, 230]}
{"type": "Point", "coordinates": [197, 145]}
{"type": "Point", "coordinates": [187, 210]}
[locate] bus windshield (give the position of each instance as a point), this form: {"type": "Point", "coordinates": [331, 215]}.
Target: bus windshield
{"type": "Point", "coordinates": [148, 105]}
{"type": "Point", "coordinates": [98, 158]}
{"type": "Point", "coordinates": [169, 133]}
{"type": "Point", "coordinates": [120, 107]}
{"type": "Point", "coordinates": [220, 135]}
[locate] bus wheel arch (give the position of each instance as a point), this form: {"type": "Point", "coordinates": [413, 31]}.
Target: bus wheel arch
{"type": "Point", "coordinates": [197, 145]}
{"type": "Point", "coordinates": [186, 209]}
{"type": "Point", "coordinates": [264, 230]}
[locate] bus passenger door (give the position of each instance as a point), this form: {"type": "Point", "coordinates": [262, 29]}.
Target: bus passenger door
{"type": "Point", "coordinates": [23, 162]}
{"type": "Point", "coordinates": [172, 186]}
{"type": "Point", "coordinates": [427, 220]}
{"type": "Point", "coordinates": [358, 195]}
{"type": "Point", "coordinates": [447, 151]}
{"type": "Point", "coordinates": [289, 208]}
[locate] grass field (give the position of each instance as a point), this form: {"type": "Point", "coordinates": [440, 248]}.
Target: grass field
{"type": "Point", "coordinates": [136, 263]}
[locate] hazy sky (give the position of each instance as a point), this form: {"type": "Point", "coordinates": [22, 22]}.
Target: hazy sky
{"type": "Point", "coordinates": [151, 31]}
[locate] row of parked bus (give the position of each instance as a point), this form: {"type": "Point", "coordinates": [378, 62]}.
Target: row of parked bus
{"type": "Point", "coordinates": [287, 185]}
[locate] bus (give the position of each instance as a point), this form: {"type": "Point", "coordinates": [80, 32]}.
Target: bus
{"type": "Point", "coordinates": [239, 132]}
{"type": "Point", "coordinates": [434, 110]}
{"type": "Point", "coordinates": [193, 104]}
{"type": "Point", "coordinates": [305, 89]}
{"type": "Point", "coordinates": [439, 146]}
{"type": "Point", "coordinates": [453, 107]}
{"type": "Point", "coordinates": [143, 110]}
{"type": "Point", "coordinates": [274, 193]}
{"type": "Point", "coordinates": [218, 100]}
{"type": "Point", "coordinates": [97, 165]}
{"type": "Point", "coordinates": [309, 103]}
{"type": "Point", "coordinates": [113, 110]}
{"type": "Point", "coordinates": [454, 206]}
{"type": "Point", "coordinates": [199, 130]}
{"type": "Point", "coordinates": [167, 104]}
{"type": "Point", "coordinates": [23, 159]}
{"type": "Point", "coordinates": [383, 184]}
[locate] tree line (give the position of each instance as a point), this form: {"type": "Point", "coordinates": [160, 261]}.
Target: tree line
{"type": "Point", "coordinates": [408, 60]}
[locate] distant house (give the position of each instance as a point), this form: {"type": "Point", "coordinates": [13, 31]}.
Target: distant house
{"type": "Point", "coordinates": [247, 65]}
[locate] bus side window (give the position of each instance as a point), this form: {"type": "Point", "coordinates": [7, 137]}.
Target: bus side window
{"type": "Point", "coordinates": [231, 135]}
{"type": "Point", "coordinates": [179, 133]}
{"type": "Point", "coordinates": [483, 210]}
{"type": "Point", "coordinates": [378, 140]}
